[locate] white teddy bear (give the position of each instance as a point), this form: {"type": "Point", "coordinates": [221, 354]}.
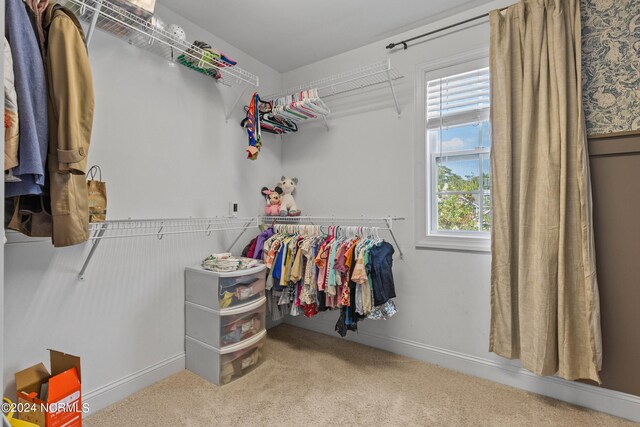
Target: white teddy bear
{"type": "Point", "coordinates": [287, 202]}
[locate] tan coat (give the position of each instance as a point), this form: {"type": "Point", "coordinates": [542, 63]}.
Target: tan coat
{"type": "Point", "coordinates": [71, 105]}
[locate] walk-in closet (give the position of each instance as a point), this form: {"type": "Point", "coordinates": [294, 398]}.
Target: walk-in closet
{"type": "Point", "coordinates": [320, 213]}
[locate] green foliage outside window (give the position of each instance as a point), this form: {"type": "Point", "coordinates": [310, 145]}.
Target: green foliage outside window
{"type": "Point", "coordinates": [461, 211]}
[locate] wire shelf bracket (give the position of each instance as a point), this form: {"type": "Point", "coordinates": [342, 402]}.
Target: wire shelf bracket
{"type": "Point", "coordinates": [227, 115]}
{"type": "Point", "coordinates": [159, 228]}
{"type": "Point", "coordinates": [145, 35]}
{"type": "Point", "coordinates": [384, 223]}
{"type": "Point", "coordinates": [94, 245]}
{"type": "Point", "coordinates": [359, 78]}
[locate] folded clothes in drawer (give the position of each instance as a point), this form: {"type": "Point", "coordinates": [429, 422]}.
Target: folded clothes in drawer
{"type": "Point", "coordinates": [224, 290]}
{"type": "Point", "coordinates": [222, 366]}
{"type": "Point", "coordinates": [239, 328]}
{"type": "Point", "coordinates": [237, 364]}
{"type": "Point", "coordinates": [225, 327]}
{"type": "Point", "coordinates": [237, 293]}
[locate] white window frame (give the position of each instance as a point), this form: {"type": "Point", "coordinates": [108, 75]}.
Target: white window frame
{"type": "Point", "coordinates": [424, 173]}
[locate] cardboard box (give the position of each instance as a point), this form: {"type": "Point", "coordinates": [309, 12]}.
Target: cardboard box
{"type": "Point", "coordinates": [53, 399]}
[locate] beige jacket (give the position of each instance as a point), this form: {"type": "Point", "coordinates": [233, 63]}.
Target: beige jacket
{"type": "Point", "coordinates": [71, 104]}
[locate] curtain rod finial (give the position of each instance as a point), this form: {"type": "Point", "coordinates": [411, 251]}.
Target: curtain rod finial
{"type": "Point", "coordinates": [392, 45]}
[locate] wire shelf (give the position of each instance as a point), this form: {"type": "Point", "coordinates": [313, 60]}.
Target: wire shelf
{"type": "Point", "coordinates": [160, 227]}
{"type": "Point", "coordinates": [143, 34]}
{"type": "Point", "coordinates": [382, 223]}
{"type": "Point", "coordinates": [127, 228]}
{"type": "Point", "coordinates": [359, 78]}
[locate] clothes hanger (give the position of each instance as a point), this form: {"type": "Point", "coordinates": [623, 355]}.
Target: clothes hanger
{"type": "Point", "coordinates": [376, 237]}
{"type": "Point", "coordinates": [301, 105]}
{"type": "Point", "coordinates": [313, 102]}
{"type": "Point", "coordinates": [367, 241]}
{"type": "Point", "coordinates": [270, 128]}
{"type": "Point", "coordinates": [265, 106]}
{"type": "Point", "coordinates": [378, 234]}
{"type": "Point", "coordinates": [294, 108]}
{"type": "Point", "coordinates": [285, 107]}
{"type": "Point", "coordinates": [272, 123]}
{"type": "Point", "coordinates": [280, 123]}
{"type": "Point", "coordinates": [352, 233]}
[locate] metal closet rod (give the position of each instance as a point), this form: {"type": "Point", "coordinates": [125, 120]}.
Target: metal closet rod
{"type": "Point", "coordinates": [439, 30]}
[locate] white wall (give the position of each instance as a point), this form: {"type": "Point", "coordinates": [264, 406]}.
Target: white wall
{"type": "Point", "coordinates": [165, 150]}
{"type": "Point", "coordinates": [365, 166]}
{"type": "Point", "coordinates": [443, 296]}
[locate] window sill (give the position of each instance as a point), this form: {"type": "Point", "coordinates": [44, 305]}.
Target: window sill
{"type": "Point", "coordinates": [455, 243]}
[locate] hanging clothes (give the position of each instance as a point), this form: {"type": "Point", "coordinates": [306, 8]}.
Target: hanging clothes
{"type": "Point", "coordinates": [37, 8]}
{"type": "Point", "coordinates": [347, 269]}
{"type": "Point", "coordinates": [71, 106]}
{"type": "Point", "coordinates": [11, 121]}
{"type": "Point", "coordinates": [259, 247]}
{"type": "Point", "coordinates": [258, 118]}
{"type": "Point", "coordinates": [31, 90]}
{"type": "Point", "coordinates": [253, 127]}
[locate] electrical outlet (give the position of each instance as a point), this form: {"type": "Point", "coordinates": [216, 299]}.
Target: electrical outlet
{"type": "Point", "coordinates": [233, 209]}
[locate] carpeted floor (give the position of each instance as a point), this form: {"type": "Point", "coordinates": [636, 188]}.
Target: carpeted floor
{"type": "Point", "coordinates": [313, 379]}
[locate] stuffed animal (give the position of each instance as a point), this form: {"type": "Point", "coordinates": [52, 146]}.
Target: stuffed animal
{"type": "Point", "coordinates": [273, 201]}
{"type": "Point", "coordinates": [288, 203]}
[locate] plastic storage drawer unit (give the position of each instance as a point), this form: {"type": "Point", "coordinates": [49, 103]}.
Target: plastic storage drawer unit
{"type": "Point", "coordinates": [224, 290]}
{"type": "Point", "coordinates": [225, 327]}
{"type": "Point", "coordinates": [221, 366]}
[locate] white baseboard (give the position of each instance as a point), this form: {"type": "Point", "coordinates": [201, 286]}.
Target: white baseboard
{"type": "Point", "coordinates": [126, 386]}
{"type": "Point", "coordinates": [608, 401]}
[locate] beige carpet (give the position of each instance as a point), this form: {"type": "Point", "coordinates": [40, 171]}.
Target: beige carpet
{"type": "Point", "coordinates": [313, 379]}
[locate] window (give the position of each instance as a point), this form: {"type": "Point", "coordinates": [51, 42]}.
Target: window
{"type": "Point", "coordinates": [456, 141]}
{"type": "Point", "coordinates": [458, 145]}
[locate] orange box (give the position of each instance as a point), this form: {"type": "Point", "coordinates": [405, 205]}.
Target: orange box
{"type": "Point", "coordinates": [62, 403]}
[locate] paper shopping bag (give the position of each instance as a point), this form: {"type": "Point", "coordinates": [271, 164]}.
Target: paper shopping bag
{"type": "Point", "coordinates": [97, 195]}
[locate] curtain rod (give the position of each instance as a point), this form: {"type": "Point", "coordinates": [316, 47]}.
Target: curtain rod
{"type": "Point", "coordinates": [466, 21]}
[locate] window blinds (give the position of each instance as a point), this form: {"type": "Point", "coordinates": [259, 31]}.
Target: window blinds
{"type": "Point", "coordinates": [453, 100]}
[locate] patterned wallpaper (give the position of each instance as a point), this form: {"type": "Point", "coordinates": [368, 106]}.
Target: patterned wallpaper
{"type": "Point", "coordinates": [611, 65]}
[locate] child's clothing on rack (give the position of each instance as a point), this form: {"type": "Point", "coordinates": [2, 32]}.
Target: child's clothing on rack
{"type": "Point", "coordinates": [308, 273]}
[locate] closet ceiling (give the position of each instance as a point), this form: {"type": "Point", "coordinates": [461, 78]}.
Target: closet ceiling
{"type": "Point", "coordinates": [287, 34]}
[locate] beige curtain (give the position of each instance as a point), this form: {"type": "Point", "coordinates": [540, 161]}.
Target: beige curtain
{"type": "Point", "coordinates": [544, 294]}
